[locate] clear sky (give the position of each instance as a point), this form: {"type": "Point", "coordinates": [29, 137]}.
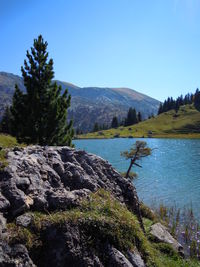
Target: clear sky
{"type": "Point", "coordinates": [152, 46]}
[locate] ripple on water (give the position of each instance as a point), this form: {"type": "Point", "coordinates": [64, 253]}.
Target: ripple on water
{"type": "Point", "coordinates": [170, 175]}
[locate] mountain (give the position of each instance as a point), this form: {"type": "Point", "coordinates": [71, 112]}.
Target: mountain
{"type": "Point", "coordinates": [184, 124]}
{"type": "Point", "coordinates": [89, 104]}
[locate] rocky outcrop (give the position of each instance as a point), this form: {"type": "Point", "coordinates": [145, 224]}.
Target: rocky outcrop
{"type": "Point", "coordinates": [51, 179]}
{"type": "Point", "coordinates": [57, 178]}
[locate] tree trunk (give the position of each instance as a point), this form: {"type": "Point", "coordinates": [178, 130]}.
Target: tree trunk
{"type": "Point", "coordinates": [129, 169]}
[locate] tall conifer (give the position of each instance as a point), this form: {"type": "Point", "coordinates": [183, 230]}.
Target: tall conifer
{"type": "Point", "coordinates": [40, 114]}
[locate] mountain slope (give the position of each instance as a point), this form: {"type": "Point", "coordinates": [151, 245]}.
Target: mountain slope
{"type": "Point", "coordinates": [89, 104]}
{"type": "Point", "coordinates": [186, 123]}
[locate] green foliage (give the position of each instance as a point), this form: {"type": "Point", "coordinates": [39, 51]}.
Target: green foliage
{"type": "Point", "coordinates": [146, 212]}
{"type": "Point", "coordinates": [175, 104]}
{"type": "Point", "coordinates": [114, 123]}
{"type": "Point", "coordinates": [5, 126]}
{"type": "Point", "coordinates": [166, 249]}
{"type": "Point", "coordinates": [6, 141]}
{"type": "Point", "coordinates": [139, 117]}
{"type": "Point", "coordinates": [197, 100]}
{"type": "Point", "coordinates": [3, 161]}
{"type": "Point", "coordinates": [131, 117]}
{"type": "Point", "coordinates": [138, 151]}
{"type": "Point", "coordinates": [40, 115]}
{"type": "Point", "coordinates": [96, 127]}
{"type": "Point", "coordinates": [22, 235]}
{"type": "Point", "coordinates": [101, 218]}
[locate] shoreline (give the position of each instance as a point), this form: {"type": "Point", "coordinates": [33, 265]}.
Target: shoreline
{"type": "Point", "coordinates": [180, 136]}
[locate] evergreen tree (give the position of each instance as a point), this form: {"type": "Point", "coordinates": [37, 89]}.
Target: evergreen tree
{"type": "Point", "coordinates": [114, 123]}
{"type": "Point", "coordinates": [96, 127]}
{"type": "Point", "coordinates": [5, 126]}
{"type": "Point", "coordinates": [160, 109]}
{"type": "Point", "coordinates": [40, 114]}
{"type": "Point", "coordinates": [78, 131]}
{"type": "Point", "coordinates": [131, 117]}
{"type": "Point", "coordinates": [139, 117]}
{"type": "Point", "coordinates": [197, 99]}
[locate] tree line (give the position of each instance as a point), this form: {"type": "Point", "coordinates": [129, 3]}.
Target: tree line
{"type": "Point", "coordinates": [132, 118]}
{"type": "Point", "coordinates": [175, 104]}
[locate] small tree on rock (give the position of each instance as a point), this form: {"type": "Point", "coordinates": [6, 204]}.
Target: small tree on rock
{"type": "Point", "coordinates": [137, 152]}
{"type": "Point", "coordinates": [40, 114]}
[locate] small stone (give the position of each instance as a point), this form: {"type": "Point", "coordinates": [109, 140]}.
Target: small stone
{"type": "Point", "coordinates": [24, 220]}
{"type": "Point", "coordinates": [135, 258]}
{"type": "Point", "coordinates": [117, 259]}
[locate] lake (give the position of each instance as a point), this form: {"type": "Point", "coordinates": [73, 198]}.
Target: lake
{"type": "Point", "coordinates": [171, 175]}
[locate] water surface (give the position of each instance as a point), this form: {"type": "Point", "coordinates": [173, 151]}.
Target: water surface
{"type": "Point", "coordinates": [171, 175]}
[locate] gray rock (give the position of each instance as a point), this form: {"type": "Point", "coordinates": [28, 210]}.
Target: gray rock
{"type": "Point", "coordinates": [23, 183]}
{"type": "Point", "coordinates": [14, 256]}
{"type": "Point", "coordinates": [135, 258]}
{"type": "Point", "coordinates": [161, 234]}
{"type": "Point", "coordinates": [58, 178]}
{"type": "Point", "coordinates": [24, 220]}
{"type": "Point", "coordinates": [4, 203]}
{"type": "Point", "coordinates": [52, 178]}
{"type": "Point", "coordinates": [3, 228]}
{"type": "Point", "coordinates": [117, 259]}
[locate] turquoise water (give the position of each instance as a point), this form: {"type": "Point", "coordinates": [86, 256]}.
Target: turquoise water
{"type": "Point", "coordinates": [171, 175]}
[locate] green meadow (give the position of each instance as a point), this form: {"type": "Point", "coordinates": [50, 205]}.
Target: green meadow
{"type": "Point", "coordinates": [183, 124]}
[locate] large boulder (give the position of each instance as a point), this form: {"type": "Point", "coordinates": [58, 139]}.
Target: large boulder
{"type": "Point", "coordinates": [56, 178]}
{"type": "Point", "coordinates": [161, 234]}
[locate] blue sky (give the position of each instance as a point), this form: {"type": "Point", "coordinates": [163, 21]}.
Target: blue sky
{"type": "Point", "coordinates": [150, 46]}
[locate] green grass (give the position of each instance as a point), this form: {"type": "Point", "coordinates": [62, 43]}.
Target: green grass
{"type": "Point", "coordinates": [100, 219]}
{"type": "Point", "coordinates": [6, 141]}
{"type": "Point", "coordinates": [184, 124]}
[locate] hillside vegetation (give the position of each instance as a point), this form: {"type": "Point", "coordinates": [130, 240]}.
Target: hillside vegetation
{"type": "Point", "coordinates": [184, 124]}
{"type": "Point", "coordinates": [101, 219]}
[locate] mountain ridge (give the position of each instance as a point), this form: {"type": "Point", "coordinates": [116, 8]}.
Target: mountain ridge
{"type": "Point", "coordinates": [88, 104]}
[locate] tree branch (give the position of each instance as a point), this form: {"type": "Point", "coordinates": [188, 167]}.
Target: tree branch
{"type": "Point", "coordinates": [137, 165]}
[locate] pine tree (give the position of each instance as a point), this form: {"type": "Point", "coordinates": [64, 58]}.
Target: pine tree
{"type": "Point", "coordinates": [139, 117]}
{"type": "Point", "coordinates": [131, 117]}
{"type": "Point", "coordinates": [197, 99]}
{"type": "Point", "coordinates": [5, 126]}
{"type": "Point", "coordinates": [96, 127]}
{"type": "Point", "coordinates": [160, 109]}
{"type": "Point", "coordinates": [40, 114]}
{"type": "Point", "coordinates": [114, 123]}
